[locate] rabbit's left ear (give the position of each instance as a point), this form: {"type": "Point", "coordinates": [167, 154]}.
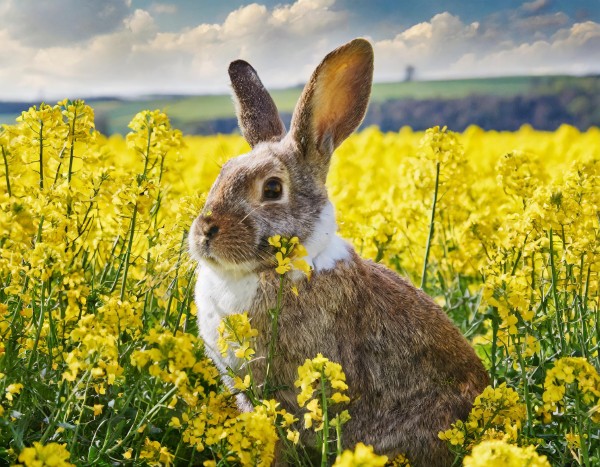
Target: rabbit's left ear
{"type": "Point", "coordinates": [333, 102]}
{"type": "Point", "coordinates": [257, 114]}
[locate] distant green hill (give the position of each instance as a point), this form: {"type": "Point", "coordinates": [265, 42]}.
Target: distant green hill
{"type": "Point", "coordinates": [186, 110]}
{"type": "Point", "coordinates": [195, 113]}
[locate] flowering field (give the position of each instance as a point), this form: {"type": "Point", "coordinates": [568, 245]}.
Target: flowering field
{"type": "Point", "coordinates": [99, 359]}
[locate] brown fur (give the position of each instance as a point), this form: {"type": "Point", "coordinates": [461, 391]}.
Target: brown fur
{"type": "Point", "coordinates": [410, 372]}
{"type": "Point", "coordinates": [256, 111]}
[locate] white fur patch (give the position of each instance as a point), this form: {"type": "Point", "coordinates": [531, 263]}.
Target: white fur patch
{"type": "Point", "coordinates": [220, 293]}
{"type": "Point", "coordinates": [223, 291]}
{"type": "Point", "coordinates": [324, 246]}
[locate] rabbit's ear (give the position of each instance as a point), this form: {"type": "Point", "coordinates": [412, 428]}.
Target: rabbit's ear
{"type": "Point", "coordinates": [334, 101]}
{"type": "Point", "coordinates": [256, 112]}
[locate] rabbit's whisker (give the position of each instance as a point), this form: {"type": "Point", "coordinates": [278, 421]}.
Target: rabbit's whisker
{"type": "Point", "coordinates": [246, 216]}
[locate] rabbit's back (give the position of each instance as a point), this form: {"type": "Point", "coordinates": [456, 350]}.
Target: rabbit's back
{"type": "Point", "coordinates": [409, 370]}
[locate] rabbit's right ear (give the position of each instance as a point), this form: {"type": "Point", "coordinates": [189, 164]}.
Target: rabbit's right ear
{"type": "Point", "coordinates": [256, 112]}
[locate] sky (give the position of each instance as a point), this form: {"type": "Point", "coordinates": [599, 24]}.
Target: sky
{"type": "Point", "coordinates": [88, 48]}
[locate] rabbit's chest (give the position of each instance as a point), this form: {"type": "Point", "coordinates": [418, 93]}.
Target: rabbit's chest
{"type": "Point", "coordinates": [217, 295]}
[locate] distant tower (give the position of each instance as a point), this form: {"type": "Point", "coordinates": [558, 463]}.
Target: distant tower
{"type": "Point", "coordinates": [409, 73]}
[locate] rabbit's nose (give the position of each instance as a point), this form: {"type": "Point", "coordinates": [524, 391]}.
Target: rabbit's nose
{"type": "Point", "coordinates": [210, 231]}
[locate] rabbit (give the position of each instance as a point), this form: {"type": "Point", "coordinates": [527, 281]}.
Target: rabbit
{"type": "Point", "coordinates": [409, 370]}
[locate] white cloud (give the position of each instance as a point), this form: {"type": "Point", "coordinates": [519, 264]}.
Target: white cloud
{"type": "Point", "coordinates": [284, 43]}
{"type": "Point", "coordinates": [163, 9]}
{"type": "Point", "coordinates": [141, 22]}
{"type": "Point", "coordinates": [535, 6]}
{"type": "Point", "coordinates": [431, 47]}
{"type": "Point", "coordinates": [314, 12]}
{"type": "Point", "coordinates": [570, 50]}
{"type": "Point", "coordinates": [59, 22]}
{"type": "Point", "coordinates": [447, 47]}
{"type": "Point", "coordinates": [539, 22]}
{"type": "Point", "coordinates": [245, 21]}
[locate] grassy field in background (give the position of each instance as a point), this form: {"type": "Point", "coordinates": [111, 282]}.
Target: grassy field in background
{"type": "Point", "coordinates": [113, 114]}
{"type": "Point", "coordinates": [185, 109]}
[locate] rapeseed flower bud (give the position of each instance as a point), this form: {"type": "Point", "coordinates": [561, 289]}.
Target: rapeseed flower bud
{"type": "Point", "coordinates": [80, 119]}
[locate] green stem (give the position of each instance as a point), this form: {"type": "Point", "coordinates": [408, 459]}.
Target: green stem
{"type": "Point", "coordinates": [41, 155]}
{"type": "Point", "coordinates": [147, 158]}
{"type": "Point", "coordinates": [42, 299]}
{"type": "Point", "coordinates": [558, 312]}
{"type": "Point", "coordinates": [128, 252]}
{"type": "Point", "coordinates": [431, 225]}
{"type": "Point", "coordinates": [174, 288]}
{"type": "Point", "coordinates": [582, 440]}
{"type": "Point", "coordinates": [324, 445]}
{"type": "Point", "coordinates": [290, 449]}
{"type": "Point", "coordinates": [185, 305]}
{"type": "Point", "coordinates": [52, 338]}
{"type": "Point", "coordinates": [72, 149]}
{"type": "Point", "coordinates": [338, 436]}
{"type": "Point", "coordinates": [146, 417]}
{"type": "Point", "coordinates": [274, 336]}
{"type": "Point", "coordinates": [6, 171]}
{"type": "Point", "coordinates": [82, 408]}
{"type": "Point", "coordinates": [583, 310]}
{"type": "Point", "coordinates": [39, 327]}
{"type": "Point", "coordinates": [494, 351]}
{"type": "Point", "coordinates": [133, 219]}
{"type": "Point", "coordinates": [109, 263]}
{"type": "Point", "coordinates": [525, 386]}
{"type": "Point", "coordinates": [54, 418]}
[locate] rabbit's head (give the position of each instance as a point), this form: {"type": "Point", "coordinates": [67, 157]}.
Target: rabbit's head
{"type": "Point", "coordinates": [279, 186]}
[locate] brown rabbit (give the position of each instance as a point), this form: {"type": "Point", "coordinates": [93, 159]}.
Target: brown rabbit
{"type": "Point", "coordinates": [409, 370]}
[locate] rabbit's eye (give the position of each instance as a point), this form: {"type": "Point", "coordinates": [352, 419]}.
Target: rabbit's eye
{"type": "Point", "coordinates": [272, 189]}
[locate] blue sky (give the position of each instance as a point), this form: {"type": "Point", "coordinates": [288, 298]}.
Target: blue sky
{"type": "Point", "coordinates": [373, 13]}
{"type": "Point", "coordinates": [59, 48]}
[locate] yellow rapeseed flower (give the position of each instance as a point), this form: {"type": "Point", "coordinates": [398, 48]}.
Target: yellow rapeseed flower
{"type": "Point", "coordinates": [155, 454]}
{"type": "Point", "coordinates": [496, 412]}
{"type": "Point", "coordinates": [290, 255]}
{"type": "Point", "coordinates": [501, 454]}
{"type": "Point", "coordinates": [362, 456]}
{"type": "Point", "coordinates": [97, 294]}
{"type": "Point", "coordinates": [235, 331]}
{"type": "Point", "coordinates": [568, 373]}
{"type": "Point", "coordinates": [13, 389]}
{"type": "Point", "coordinates": [51, 454]}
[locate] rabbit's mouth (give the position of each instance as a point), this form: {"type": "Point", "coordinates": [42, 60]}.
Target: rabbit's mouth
{"type": "Point", "coordinates": [206, 251]}
{"type": "Point", "coordinates": [222, 246]}
{"type": "Point", "coordinates": [232, 265]}
{"type": "Point", "coordinates": [203, 248]}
